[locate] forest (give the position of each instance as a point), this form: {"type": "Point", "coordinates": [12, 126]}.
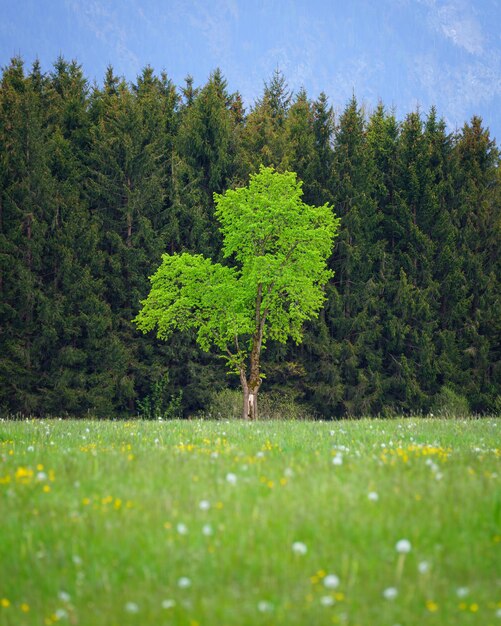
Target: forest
{"type": "Point", "coordinates": [98, 181]}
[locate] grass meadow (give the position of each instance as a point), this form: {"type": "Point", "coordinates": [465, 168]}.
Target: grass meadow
{"type": "Point", "coordinates": [215, 523]}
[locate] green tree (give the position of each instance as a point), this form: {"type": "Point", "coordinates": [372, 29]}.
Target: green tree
{"type": "Point", "coordinates": [279, 246]}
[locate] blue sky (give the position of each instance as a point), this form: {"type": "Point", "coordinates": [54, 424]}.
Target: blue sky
{"type": "Point", "coordinates": [407, 53]}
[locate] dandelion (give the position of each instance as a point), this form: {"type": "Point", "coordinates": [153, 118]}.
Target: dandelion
{"type": "Point", "coordinates": [182, 529]}
{"type": "Point", "coordinates": [184, 582]}
{"type": "Point", "coordinates": [4, 603]}
{"type": "Point", "coordinates": [132, 607]}
{"type": "Point", "coordinates": [168, 604]}
{"type": "Point", "coordinates": [207, 530]}
{"type": "Point", "coordinates": [431, 606]}
{"type": "Point", "coordinates": [338, 459]}
{"type": "Point", "coordinates": [64, 596]}
{"type": "Point", "coordinates": [299, 548]}
{"type": "Point", "coordinates": [76, 560]}
{"type": "Point", "coordinates": [264, 607]}
{"type": "Point", "coordinates": [390, 593]}
{"type": "Point", "coordinates": [231, 478]}
{"type": "Point", "coordinates": [326, 600]}
{"type": "Point", "coordinates": [25, 608]}
{"type": "Point", "coordinates": [462, 592]}
{"type": "Point", "coordinates": [62, 614]}
{"type": "Point", "coordinates": [41, 476]}
{"type": "Point", "coordinates": [423, 567]}
{"type": "Point", "coordinates": [403, 546]}
{"type": "Point", "coordinates": [331, 581]}
{"type": "Point", "coordinates": [373, 496]}
{"type": "Point", "coordinates": [204, 505]}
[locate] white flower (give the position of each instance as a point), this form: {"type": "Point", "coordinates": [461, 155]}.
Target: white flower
{"type": "Point", "coordinates": [462, 592]}
{"type": "Point", "coordinates": [204, 505]}
{"type": "Point", "coordinates": [331, 581]}
{"type": "Point", "coordinates": [403, 546]}
{"type": "Point", "coordinates": [390, 593]}
{"type": "Point", "coordinates": [184, 582]}
{"type": "Point", "coordinates": [132, 607]}
{"type": "Point", "coordinates": [61, 614]}
{"type": "Point", "coordinates": [373, 496]}
{"type": "Point", "coordinates": [64, 596]}
{"type": "Point", "coordinates": [182, 529]}
{"type": "Point", "coordinates": [30, 448]}
{"type": "Point", "coordinates": [338, 459]}
{"type": "Point", "coordinates": [41, 476]}
{"type": "Point", "coordinates": [207, 530]}
{"type": "Point", "coordinates": [76, 559]}
{"type": "Point", "coordinates": [231, 478]}
{"type": "Point", "coordinates": [299, 548]}
{"type": "Point", "coordinates": [498, 613]}
{"type": "Point", "coordinates": [264, 607]}
{"type": "Point", "coordinates": [423, 567]}
{"type": "Point", "coordinates": [168, 604]}
{"type": "Point", "coordinates": [288, 472]}
{"type": "Point", "coordinates": [326, 600]}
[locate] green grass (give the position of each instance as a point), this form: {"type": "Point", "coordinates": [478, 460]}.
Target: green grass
{"type": "Point", "coordinates": [90, 514]}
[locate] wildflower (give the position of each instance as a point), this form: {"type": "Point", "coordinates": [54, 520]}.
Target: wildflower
{"type": "Point", "coordinates": [338, 459]}
{"type": "Point", "coordinates": [4, 603]}
{"type": "Point", "coordinates": [41, 476]}
{"type": "Point", "coordinates": [390, 593]}
{"type": "Point", "coordinates": [207, 530]}
{"type": "Point", "coordinates": [182, 529]}
{"type": "Point", "coordinates": [299, 548]}
{"type": "Point", "coordinates": [423, 567]}
{"type": "Point", "coordinates": [168, 604]}
{"type": "Point", "coordinates": [184, 582]}
{"type": "Point", "coordinates": [403, 546]}
{"type": "Point", "coordinates": [373, 496]}
{"type": "Point", "coordinates": [63, 614]}
{"type": "Point", "coordinates": [462, 592]}
{"type": "Point", "coordinates": [264, 607]}
{"type": "Point", "coordinates": [204, 505]}
{"type": "Point", "coordinates": [132, 607]}
{"type": "Point", "coordinates": [64, 596]}
{"type": "Point", "coordinates": [76, 560]}
{"type": "Point", "coordinates": [331, 581]}
{"type": "Point", "coordinates": [231, 478]}
{"type": "Point", "coordinates": [326, 600]}
{"type": "Point", "coordinates": [25, 608]}
{"type": "Point", "coordinates": [431, 606]}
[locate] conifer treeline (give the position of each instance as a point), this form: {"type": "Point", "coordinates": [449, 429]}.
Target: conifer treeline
{"type": "Point", "coordinates": [97, 182]}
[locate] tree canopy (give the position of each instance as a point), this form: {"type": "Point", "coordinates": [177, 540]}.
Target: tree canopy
{"type": "Point", "coordinates": [279, 246]}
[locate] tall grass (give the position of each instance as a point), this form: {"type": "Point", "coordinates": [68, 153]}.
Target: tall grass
{"type": "Point", "coordinates": [231, 523]}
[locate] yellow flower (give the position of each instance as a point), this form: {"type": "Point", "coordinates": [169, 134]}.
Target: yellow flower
{"type": "Point", "coordinates": [46, 488]}
{"type": "Point", "coordinates": [474, 607]}
{"type": "Point", "coordinates": [25, 607]}
{"type": "Point", "coordinates": [431, 606]}
{"type": "Point", "coordinates": [4, 603]}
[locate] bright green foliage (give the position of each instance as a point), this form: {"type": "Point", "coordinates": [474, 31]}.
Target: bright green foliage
{"type": "Point", "coordinates": [279, 245]}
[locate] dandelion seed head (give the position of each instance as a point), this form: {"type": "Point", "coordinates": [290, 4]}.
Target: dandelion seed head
{"type": "Point", "coordinates": [331, 581]}
{"type": "Point", "coordinates": [61, 613]}
{"type": "Point", "coordinates": [132, 607]}
{"type": "Point", "coordinates": [462, 592]}
{"type": "Point", "coordinates": [373, 496]}
{"type": "Point", "coordinates": [423, 567]}
{"type": "Point", "coordinates": [231, 478]}
{"type": "Point", "coordinates": [204, 505]}
{"type": "Point", "coordinates": [298, 547]}
{"type": "Point", "coordinates": [168, 604]}
{"type": "Point", "coordinates": [184, 582]}
{"type": "Point", "coordinates": [326, 600]}
{"type": "Point", "coordinates": [64, 596]}
{"type": "Point", "coordinates": [182, 529]}
{"type": "Point", "coordinates": [207, 530]}
{"type": "Point", "coordinates": [264, 607]}
{"type": "Point", "coordinates": [338, 459]}
{"type": "Point", "coordinates": [403, 546]}
{"type": "Point", "coordinates": [390, 593]}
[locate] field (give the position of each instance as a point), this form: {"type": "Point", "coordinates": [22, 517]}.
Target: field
{"type": "Point", "coordinates": [198, 523]}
